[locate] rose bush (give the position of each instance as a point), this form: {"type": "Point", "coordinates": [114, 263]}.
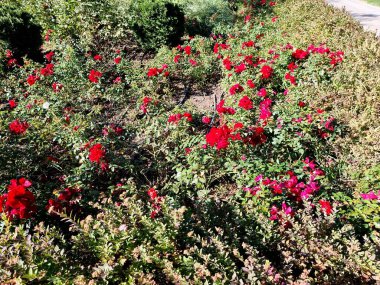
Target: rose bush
{"type": "Point", "coordinates": [118, 176]}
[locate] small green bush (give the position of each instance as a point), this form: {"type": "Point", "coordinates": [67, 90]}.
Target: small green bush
{"type": "Point", "coordinates": [157, 23]}
{"type": "Point", "coordinates": [205, 17]}
{"type": "Point", "coordinates": [19, 32]}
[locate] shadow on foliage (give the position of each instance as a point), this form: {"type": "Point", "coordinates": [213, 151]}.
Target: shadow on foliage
{"type": "Point", "coordinates": [20, 33]}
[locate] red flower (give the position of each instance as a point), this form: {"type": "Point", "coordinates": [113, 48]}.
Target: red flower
{"type": "Point", "coordinates": [219, 137]}
{"type": "Point", "coordinates": [237, 88]}
{"type": "Point", "coordinates": [255, 137]}
{"type": "Point", "coordinates": [152, 193]}
{"type": "Point", "coordinates": [301, 104]}
{"type": "Point", "coordinates": [94, 76]}
{"type": "Point", "coordinates": [224, 110]}
{"type": "Point", "coordinates": [291, 78]}
{"type": "Point", "coordinates": [227, 63]}
{"type": "Point", "coordinates": [266, 71]}
{"type": "Point", "coordinates": [47, 70]}
{"type": "Point", "coordinates": [188, 116]}
{"type": "Point", "coordinates": [56, 87]}
{"type": "Point", "coordinates": [250, 83]}
{"type": "Point", "coordinates": [176, 58]}
{"type": "Point", "coordinates": [246, 103]}
{"type": "Point", "coordinates": [300, 54]}
{"type": "Point", "coordinates": [325, 207]}
{"type": "Point", "coordinates": [174, 118]}
{"type": "Point", "coordinates": [247, 44]}
{"type": "Point", "coordinates": [336, 57]}
{"type": "Point", "coordinates": [152, 72]}
{"type": "Point", "coordinates": [240, 68]}
{"type": "Point", "coordinates": [292, 66]}
{"type": "Point", "coordinates": [12, 104]}
{"type": "Point", "coordinates": [8, 53]}
{"type": "Point", "coordinates": [98, 57]}
{"type": "Point", "coordinates": [32, 79]}
{"type": "Point", "coordinates": [187, 50]}
{"type": "Point", "coordinates": [145, 104]}
{"type": "Point", "coordinates": [117, 60]}
{"type": "Point", "coordinates": [96, 153]}
{"type": "Point", "coordinates": [18, 202]}
{"type": "Point", "coordinates": [18, 127]}
{"type": "Point", "coordinates": [49, 56]}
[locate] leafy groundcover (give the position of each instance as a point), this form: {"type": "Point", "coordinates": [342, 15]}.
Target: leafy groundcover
{"type": "Point", "coordinates": [167, 142]}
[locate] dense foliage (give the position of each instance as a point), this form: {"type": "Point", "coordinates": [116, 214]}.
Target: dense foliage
{"type": "Point", "coordinates": [170, 142]}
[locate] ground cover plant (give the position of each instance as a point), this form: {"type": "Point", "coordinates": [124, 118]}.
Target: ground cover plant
{"type": "Point", "coordinates": [219, 142]}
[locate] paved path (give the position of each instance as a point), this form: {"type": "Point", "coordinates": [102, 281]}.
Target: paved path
{"type": "Point", "coordinates": [367, 14]}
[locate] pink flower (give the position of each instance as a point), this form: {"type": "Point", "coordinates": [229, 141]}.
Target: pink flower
{"type": "Point", "coordinates": [117, 80]}
{"type": "Point", "coordinates": [192, 62]}
{"type": "Point", "coordinates": [206, 120]}
{"type": "Point", "coordinates": [265, 112]}
{"type": "Point", "coordinates": [287, 209]}
{"type": "Point", "coordinates": [370, 196]}
{"type": "Point", "coordinates": [273, 213]}
{"type": "Point", "coordinates": [262, 93]}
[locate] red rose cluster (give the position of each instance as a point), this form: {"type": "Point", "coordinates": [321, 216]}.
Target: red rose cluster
{"type": "Point", "coordinates": [18, 202]}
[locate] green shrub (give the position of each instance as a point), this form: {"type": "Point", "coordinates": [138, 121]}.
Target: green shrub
{"type": "Point", "coordinates": [156, 23]}
{"type": "Point", "coordinates": [19, 32]}
{"type": "Point", "coordinates": [206, 17]}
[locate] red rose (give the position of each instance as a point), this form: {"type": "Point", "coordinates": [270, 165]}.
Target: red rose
{"type": "Point", "coordinates": [266, 71]}
{"type": "Point", "coordinates": [97, 153]}
{"type": "Point", "coordinates": [94, 76]}
{"type": "Point", "coordinates": [18, 127]}
{"type": "Point", "coordinates": [12, 104]}
{"type": "Point", "coordinates": [325, 207]}
{"type": "Point", "coordinates": [246, 103]}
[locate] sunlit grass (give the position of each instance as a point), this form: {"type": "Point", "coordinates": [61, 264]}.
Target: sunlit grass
{"type": "Point", "coordinates": [375, 2]}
